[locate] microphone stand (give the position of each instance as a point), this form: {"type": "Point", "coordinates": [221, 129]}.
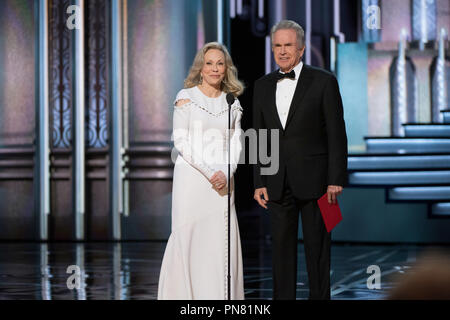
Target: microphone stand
{"type": "Point", "coordinates": [230, 101]}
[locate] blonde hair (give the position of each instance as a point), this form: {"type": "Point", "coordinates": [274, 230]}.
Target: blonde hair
{"type": "Point", "coordinates": [230, 83]}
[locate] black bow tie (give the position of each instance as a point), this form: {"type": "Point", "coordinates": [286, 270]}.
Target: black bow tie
{"type": "Point", "coordinates": [290, 75]}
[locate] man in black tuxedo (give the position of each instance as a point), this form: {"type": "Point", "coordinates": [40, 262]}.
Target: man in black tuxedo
{"type": "Point", "coordinates": [304, 104]}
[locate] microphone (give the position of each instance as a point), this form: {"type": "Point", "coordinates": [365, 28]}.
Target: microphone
{"type": "Point", "coordinates": [230, 98]}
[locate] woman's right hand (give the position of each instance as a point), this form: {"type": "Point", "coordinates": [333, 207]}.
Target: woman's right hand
{"type": "Point", "coordinates": [218, 180]}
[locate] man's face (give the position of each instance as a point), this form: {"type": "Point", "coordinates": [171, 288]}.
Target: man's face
{"type": "Point", "coordinates": [285, 49]}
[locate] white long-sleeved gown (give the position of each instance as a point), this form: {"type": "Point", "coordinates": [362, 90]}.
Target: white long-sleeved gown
{"type": "Point", "coordinates": [195, 263]}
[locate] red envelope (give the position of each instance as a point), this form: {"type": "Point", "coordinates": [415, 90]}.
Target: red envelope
{"type": "Point", "coordinates": [331, 213]}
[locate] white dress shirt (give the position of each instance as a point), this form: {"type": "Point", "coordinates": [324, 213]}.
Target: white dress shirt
{"type": "Point", "coordinates": [285, 93]}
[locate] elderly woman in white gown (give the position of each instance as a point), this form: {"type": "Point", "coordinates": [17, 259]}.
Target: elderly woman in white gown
{"type": "Point", "coordinates": [195, 263]}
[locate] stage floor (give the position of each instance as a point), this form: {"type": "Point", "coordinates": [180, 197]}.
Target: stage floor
{"type": "Point", "coordinates": [130, 270]}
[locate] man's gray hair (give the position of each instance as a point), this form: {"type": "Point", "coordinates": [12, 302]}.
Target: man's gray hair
{"type": "Point", "coordinates": [289, 24]}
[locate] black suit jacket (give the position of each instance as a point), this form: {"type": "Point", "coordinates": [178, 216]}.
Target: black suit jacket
{"type": "Point", "coordinates": [313, 144]}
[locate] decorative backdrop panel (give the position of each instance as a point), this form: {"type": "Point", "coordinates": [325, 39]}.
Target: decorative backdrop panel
{"type": "Point", "coordinates": [17, 72]}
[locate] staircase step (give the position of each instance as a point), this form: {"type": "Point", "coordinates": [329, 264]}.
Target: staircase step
{"type": "Point", "coordinates": [408, 145]}
{"type": "Point", "coordinates": [427, 130]}
{"type": "Point", "coordinates": [397, 161]}
{"type": "Point", "coordinates": [419, 193]}
{"type": "Point", "coordinates": [440, 209]}
{"type": "Point", "coordinates": [446, 116]}
{"type": "Point", "coordinates": [389, 178]}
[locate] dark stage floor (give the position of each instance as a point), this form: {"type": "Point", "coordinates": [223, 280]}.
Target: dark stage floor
{"type": "Point", "coordinates": [130, 270]}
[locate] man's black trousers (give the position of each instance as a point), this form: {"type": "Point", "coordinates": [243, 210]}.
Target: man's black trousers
{"type": "Point", "coordinates": [284, 215]}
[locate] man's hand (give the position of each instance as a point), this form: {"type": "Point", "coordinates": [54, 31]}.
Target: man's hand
{"type": "Point", "coordinates": [258, 197]}
{"type": "Point", "coordinates": [218, 180]}
{"type": "Point", "coordinates": [333, 192]}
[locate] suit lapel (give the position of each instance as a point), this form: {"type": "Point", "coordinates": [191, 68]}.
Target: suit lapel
{"type": "Point", "coordinates": [304, 81]}
{"type": "Point", "coordinates": [271, 99]}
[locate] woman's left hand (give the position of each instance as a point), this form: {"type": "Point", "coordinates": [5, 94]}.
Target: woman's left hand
{"type": "Point", "coordinates": [218, 180]}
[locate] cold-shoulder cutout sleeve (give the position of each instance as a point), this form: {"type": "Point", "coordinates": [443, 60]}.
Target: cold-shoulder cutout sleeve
{"type": "Point", "coordinates": [181, 102]}
{"type": "Point", "coordinates": [181, 95]}
{"type": "Point", "coordinates": [236, 106]}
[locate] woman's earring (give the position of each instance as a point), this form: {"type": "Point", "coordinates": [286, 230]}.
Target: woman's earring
{"type": "Point", "coordinates": [201, 78]}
